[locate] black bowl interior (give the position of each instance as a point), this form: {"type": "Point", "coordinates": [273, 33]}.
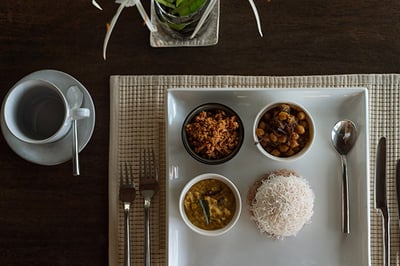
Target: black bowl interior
{"type": "Point", "coordinates": [210, 107]}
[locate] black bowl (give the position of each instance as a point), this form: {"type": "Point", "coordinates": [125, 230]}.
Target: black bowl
{"type": "Point", "coordinates": [212, 108]}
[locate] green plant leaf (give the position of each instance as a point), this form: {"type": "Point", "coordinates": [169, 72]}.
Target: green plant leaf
{"type": "Point", "coordinates": [187, 7]}
{"type": "Point", "coordinates": [179, 2]}
{"type": "Point", "coordinates": [167, 3]}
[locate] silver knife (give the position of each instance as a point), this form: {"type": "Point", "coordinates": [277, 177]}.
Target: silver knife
{"type": "Point", "coordinates": [380, 197]}
{"type": "Point", "coordinates": [398, 188]}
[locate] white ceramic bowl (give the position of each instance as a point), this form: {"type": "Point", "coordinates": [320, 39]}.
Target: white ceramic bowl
{"type": "Point", "coordinates": [235, 217]}
{"type": "Point", "coordinates": [297, 155]}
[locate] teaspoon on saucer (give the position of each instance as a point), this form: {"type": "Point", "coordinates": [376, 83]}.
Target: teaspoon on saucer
{"type": "Point", "coordinates": [75, 99]}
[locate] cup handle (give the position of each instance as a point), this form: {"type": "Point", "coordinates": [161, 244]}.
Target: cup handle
{"type": "Point", "coordinates": [79, 113]}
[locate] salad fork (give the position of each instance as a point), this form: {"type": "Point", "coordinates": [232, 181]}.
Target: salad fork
{"type": "Point", "coordinates": [148, 176]}
{"type": "Point", "coordinates": [127, 194]}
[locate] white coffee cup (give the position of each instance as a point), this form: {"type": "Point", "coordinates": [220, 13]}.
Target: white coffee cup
{"type": "Point", "coordinates": [37, 112]}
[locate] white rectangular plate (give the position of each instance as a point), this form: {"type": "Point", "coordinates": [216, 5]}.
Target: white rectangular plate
{"type": "Point", "coordinates": [319, 243]}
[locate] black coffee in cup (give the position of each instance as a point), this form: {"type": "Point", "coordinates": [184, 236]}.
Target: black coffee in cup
{"type": "Point", "coordinates": [42, 113]}
{"type": "Point", "coordinates": [36, 111]}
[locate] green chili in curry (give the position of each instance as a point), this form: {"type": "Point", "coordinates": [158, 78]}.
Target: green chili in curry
{"type": "Point", "coordinates": [220, 200]}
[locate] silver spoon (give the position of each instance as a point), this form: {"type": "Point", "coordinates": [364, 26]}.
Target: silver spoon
{"type": "Point", "coordinates": [344, 135]}
{"type": "Point", "coordinates": [75, 99]}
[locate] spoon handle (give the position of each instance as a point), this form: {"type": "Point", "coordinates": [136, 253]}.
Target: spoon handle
{"type": "Point", "coordinates": [75, 153]}
{"type": "Point", "coordinates": [345, 197]}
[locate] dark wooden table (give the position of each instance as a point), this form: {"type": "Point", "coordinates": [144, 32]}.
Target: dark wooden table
{"type": "Point", "coordinates": [48, 216]}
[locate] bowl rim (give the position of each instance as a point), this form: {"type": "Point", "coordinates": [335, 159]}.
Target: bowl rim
{"type": "Point", "coordinates": [303, 151]}
{"type": "Point", "coordinates": [235, 191]}
{"type": "Point", "coordinates": [211, 106]}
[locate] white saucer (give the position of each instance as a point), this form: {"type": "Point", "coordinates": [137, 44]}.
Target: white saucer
{"type": "Point", "coordinates": [60, 151]}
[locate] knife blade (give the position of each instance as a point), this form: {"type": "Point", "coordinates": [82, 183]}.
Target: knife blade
{"type": "Point", "coordinates": [380, 197]}
{"type": "Point", "coordinates": [398, 188]}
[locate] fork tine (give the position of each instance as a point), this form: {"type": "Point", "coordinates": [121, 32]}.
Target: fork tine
{"type": "Point", "coordinates": [129, 174]}
{"type": "Point", "coordinates": [126, 174]}
{"type": "Point", "coordinates": [121, 175]}
{"type": "Point", "coordinates": [141, 171]}
{"type": "Point", "coordinates": [145, 163]}
{"type": "Point", "coordinates": [153, 167]}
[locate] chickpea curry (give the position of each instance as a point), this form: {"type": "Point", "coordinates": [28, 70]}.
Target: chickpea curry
{"type": "Point", "coordinates": [284, 130]}
{"type": "Point", "coordinates": [214, 197]}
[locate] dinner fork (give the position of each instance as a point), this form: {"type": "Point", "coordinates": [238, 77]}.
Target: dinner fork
{"type": "Point", "coordinates": [148, 186]}
{"type": "Point", "coordinates": [127, 194]}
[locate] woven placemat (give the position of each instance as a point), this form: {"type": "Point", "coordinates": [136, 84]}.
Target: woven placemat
{"type": "Point", "coordinates": [137, 120]}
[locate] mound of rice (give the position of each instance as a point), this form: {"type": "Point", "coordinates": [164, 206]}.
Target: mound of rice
{"type": "Point", "coordinates": [280, 203]}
